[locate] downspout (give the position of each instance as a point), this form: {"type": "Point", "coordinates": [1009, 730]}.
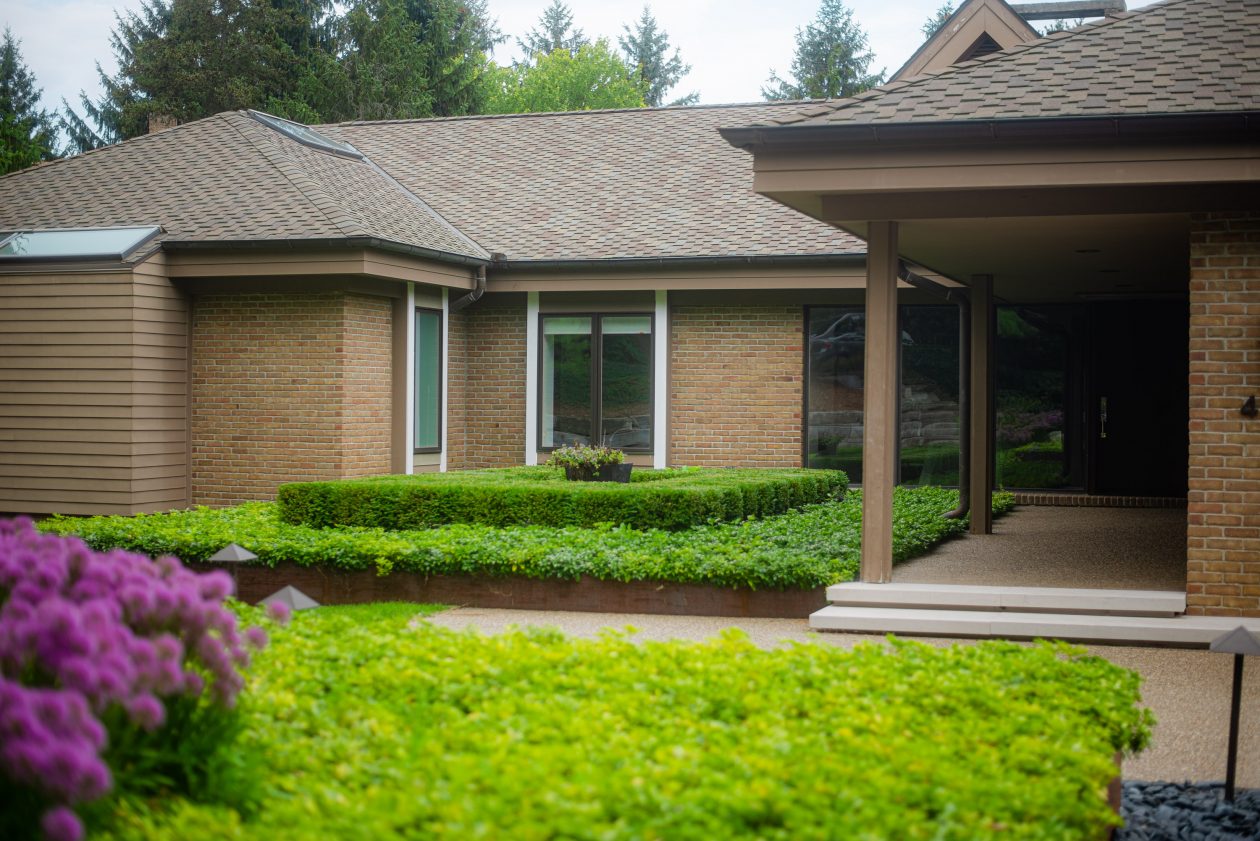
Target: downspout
{"type": "Point", "coordinates": [958, 297]}
{"type": "Point", "coordinates": [472, 297]}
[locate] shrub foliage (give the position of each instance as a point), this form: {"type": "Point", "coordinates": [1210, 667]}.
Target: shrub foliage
{"type": "Point", "coordinates": [540, 496]}
{"type": "Point", "coordinates": [374, 729]}
{"type": "Point", "coordinates": [814, 546]}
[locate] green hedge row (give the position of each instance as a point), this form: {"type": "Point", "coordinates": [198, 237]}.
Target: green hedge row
{"type": "Point", "coordinates": [810, 547]}
{"type": "Point", "coordinates": [541, 496]}
{"type": "Point", "coordinates": [386, 728]}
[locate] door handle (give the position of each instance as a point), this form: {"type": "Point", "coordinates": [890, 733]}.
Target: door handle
{"type": "Point", "coordinates": [1102, 417]}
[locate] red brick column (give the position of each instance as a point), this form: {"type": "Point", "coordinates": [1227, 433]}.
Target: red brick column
{"type": "Point", "coordinates": [1223, 547]}
{"type": "Point", "coordinates": [736, 379]}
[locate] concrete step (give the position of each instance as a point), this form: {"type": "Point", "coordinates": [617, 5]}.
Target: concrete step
{"type": "Point", "coordinates": [1183, 631]}
{"type": "Point", "coordinates": [1023, 599]}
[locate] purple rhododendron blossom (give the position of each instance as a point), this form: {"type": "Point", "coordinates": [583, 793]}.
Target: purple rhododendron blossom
{"type": "Point", "coordinates": [82, 632]}
{"type": "Point", "coordinates": [61, 824]}
{"type": "Point", "coordinates": [280, 612]}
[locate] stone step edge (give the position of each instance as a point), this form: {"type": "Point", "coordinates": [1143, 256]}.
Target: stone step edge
{"type": "Point", "coordinates": [1179, 631]}
{"type": "Point", "coordinates": [973, 597]}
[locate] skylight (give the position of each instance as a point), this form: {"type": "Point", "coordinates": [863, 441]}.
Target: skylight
{"type": "Point", "coordinates": [306, 135]}
{"type": "Point", "coordinates": [75, 243]}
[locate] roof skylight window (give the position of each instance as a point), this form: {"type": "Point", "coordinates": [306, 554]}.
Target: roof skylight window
{"type": "Point", "coordinates": [75, 243]}
{"type": "Point", "coordinates": [306, 135]}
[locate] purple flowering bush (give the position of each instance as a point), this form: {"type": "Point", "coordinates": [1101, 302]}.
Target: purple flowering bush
{"type": "Point", "coordinates": [117, 672]}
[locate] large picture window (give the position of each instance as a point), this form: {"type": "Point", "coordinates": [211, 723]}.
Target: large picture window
{"type": "Point", "coordinates": [596, 381]}
{"type": "Point", "coordinates": [428, 423]}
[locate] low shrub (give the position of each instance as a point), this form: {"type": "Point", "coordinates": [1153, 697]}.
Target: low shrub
{"type": "Point", "coordinates": [385, 730]}
{"type": "Point", "coordinates": [541, 496]}
{"type": "Point", "coordinates": [115, 670]}
{"type": "Point", "coordinates": [812, 547]}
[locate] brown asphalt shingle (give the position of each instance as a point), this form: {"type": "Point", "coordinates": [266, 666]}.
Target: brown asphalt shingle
{"type": "Point", "coordinates": [642, 183]}
{"type": "Point", "coordinates": [1175, 57]}
{"type": "Point", "coordinates": [227, 177]}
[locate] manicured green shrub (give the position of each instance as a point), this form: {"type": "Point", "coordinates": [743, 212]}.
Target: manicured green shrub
{"type": "Point", "coordinates": [385, 730]}
{"type": "Point", "coordinates": [541, 496]}
{"type": "Point", "coordinates": [814, 546]}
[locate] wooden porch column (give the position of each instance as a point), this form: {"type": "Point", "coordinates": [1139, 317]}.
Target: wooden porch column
{"type": "Point", "coordinates": [879, 420]}
{"type": "Point", "coordinates": [983, 333]}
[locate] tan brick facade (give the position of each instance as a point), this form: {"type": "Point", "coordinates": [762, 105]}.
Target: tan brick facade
{"type": "Point", "coordinates": [486, 414]}
{"type": "Point", "coordinates": [287, 388]}
{"type": "Point", "coordinates": [1224, 500]}
{"type": "Point", "coordinates": [735, 386]}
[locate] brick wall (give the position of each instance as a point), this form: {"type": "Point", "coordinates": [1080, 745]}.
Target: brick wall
{"type": "Point", "coordinates": [457, 385]}
{"type": "Point", "coordinates": [287, 388]}
{"type": "Point", "coordinates": [487, 381]}
{"type": "Point", "coordinates": [367, 351]}
{"type": "Point", "coordinates": [736, 384]}
{"type": "Point", "coordinates": [1224, 499]}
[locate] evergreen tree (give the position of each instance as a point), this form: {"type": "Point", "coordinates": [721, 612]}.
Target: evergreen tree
{"type": "Point", "coordinates": [646, 48]}
{"type": "Point", "coordinates": [831, 61]}
{"type": "Point", "coordinates": [555, 31]}
{"type": "Point", "coordinates": [933, 24]}
{"type": "Point", "coordinates": [594, 78]}
{"type": "Point", "coordinates": [181, 60]}
{"type": "Point", "coordinates": [27, 132]}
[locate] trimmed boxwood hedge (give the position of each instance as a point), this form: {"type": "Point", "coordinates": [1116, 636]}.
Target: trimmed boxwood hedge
{"type": "Point", "coordinates": [541, 496]}
{"type": "Point", "coordinates": [388, 728]}
{"type": "Point", "coordinates": [811, 547]}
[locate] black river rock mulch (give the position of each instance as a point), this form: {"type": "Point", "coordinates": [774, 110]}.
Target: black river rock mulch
{"type": "Point", "coordinates": [1188, 812]}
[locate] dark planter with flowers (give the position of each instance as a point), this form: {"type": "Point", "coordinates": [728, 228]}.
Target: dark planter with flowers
{"type": "Point", "coordinates": [591, 464]}
{"type": "Point", "coordinates": [606, 473]}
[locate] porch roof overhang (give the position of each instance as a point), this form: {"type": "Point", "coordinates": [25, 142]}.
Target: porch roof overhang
{"type": "Point", "coordinates": [1033, 201]}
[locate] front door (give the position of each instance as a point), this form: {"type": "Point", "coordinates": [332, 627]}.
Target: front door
{"type": "Point", "coordinates": [1138, 416]}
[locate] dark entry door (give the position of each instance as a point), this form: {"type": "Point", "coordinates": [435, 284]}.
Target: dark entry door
{"type": "Point", "coordinates": [1138, 418]}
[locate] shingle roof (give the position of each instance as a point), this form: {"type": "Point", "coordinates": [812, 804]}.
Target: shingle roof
{"type": "Point", "coordinates": [642, 183]}
{"type": "Point", "coordinates": [228, 178]}
{"type": "Point", "coordinates": [1175, 57]}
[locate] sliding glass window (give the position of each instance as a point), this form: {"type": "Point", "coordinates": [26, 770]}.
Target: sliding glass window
{"type": "Point", "coordinates": [596, 381]}
{"type": "Point", "coordinates": [428, 409]}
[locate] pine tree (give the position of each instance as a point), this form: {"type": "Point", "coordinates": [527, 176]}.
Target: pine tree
{"type": "Point", "coordinates": [832, 58]}
{"type": "Point", "coordinates": [646, 48]}
{"type": "Point", "coordinates": [555, 31]}
{"type": "Point", "coordinates": [933, 24]}
{"type": "Point", "coordinates": [27, 132]}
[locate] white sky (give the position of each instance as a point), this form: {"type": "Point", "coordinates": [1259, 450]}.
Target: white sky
{"type": "Point", "coordinates": [732, 45]}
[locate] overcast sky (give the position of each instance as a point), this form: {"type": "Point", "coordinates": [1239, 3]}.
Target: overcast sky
{"type": "Point", "coordinates": [732, 45]}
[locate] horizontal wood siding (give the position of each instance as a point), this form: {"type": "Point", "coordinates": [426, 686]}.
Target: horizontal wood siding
{"type": "Point", "coordinates": [93, 392]}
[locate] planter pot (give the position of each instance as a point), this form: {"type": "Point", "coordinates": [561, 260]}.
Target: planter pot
{"type": "Point", "coordinates": [607, 473]}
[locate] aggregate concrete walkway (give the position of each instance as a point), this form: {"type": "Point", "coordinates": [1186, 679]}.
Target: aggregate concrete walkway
{"type": "Point", "coordinates": [1187, 690]}
{"type": "Point", "coordinates": [1044, 546]}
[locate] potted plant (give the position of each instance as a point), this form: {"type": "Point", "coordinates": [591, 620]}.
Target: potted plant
{"type": "Point", "coordinates": [583, 463]}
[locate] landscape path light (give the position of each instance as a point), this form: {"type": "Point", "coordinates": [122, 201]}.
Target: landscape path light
{"type": "Point", "coordinates": [292, 597]}
{"type": "Point", "coordinates": [1239, 642]}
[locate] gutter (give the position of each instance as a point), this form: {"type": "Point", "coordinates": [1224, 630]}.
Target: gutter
{"type": "Point", "coordinates": [962, 299]}
{"type": "Point", "coordinates": [321, 244]}
{"type": "Point", "coordinates": [717, 261]}
{"type": "Point", "coordinates": [1210, 126]}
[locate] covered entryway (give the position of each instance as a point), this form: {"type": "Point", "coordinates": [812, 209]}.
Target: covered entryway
{"type": "Point", "coordinates": [1067, 171]}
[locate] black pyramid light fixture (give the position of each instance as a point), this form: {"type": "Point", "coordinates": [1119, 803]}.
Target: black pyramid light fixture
{"type": "Point", "coordinates": [1239, 642]}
